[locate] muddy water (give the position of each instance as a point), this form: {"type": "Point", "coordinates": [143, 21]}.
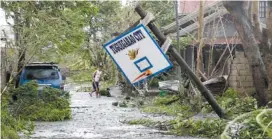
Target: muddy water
{"type": "Point", "coordinates": [96, 118]}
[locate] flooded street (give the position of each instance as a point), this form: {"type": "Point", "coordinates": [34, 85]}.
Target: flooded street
{"type": "Point", "coordinates": [98, 118]}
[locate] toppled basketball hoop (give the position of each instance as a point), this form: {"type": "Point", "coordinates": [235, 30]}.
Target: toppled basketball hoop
{"type": "Point", "coordinates": [138, 55]}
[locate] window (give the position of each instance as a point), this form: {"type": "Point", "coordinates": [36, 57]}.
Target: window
{"type": "Point", "coordinates": [262, 9]}
{"type": "Point", "coordinates": [41, 73]}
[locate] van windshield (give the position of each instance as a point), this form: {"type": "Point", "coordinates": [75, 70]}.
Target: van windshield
{"type": "Point", "coordinates": [41, 73]}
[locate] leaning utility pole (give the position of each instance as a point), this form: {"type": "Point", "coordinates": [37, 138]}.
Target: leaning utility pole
{"type": "Point", "coordinates": [173, 52]}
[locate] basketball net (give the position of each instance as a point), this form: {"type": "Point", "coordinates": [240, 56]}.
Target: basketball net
{"type": "Point", "coordinates": [141, 87]}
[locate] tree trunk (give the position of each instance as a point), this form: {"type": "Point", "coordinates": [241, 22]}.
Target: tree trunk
{"type": "Point", "coordinates": [267, 52]}
{"type": "Point", "coordinates": [239, 11]}
{"type": "Point", "coordinates": [256, 20]}
{"type": "Point", "coordinates": [265, 46]}
{"type": "Point", "coordinates": [269, 20]}
{"type": "Point", "coordinates": [18, 42]}
{"type": "Point", "coordinates": [199, 66]}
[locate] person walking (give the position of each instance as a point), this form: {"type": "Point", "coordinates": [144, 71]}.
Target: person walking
{"type": "Point", "coordinates": [95, 82]}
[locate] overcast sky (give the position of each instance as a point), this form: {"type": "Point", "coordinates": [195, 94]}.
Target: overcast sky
{"type": "Point", "coordinates": [2, 17]}
{"type": "Point", "coordinates": [4, 26]}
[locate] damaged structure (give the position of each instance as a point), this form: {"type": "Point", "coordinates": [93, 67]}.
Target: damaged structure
{"type": "Point", "coordinates": [223, 54]}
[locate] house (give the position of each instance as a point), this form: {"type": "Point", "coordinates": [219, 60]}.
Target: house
{"type": "Point", "coordinates": [220, 38]}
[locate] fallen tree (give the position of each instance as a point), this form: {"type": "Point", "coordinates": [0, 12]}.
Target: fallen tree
{"type": "Point", "coordinates": [25, 104]}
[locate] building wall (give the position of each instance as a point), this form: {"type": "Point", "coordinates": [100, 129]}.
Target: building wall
{"type": "Point", "coordinates": [241, 76]}
{"type": "Point", "coordinates": [186, 7]}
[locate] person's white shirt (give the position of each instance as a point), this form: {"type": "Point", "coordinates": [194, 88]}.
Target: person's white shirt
{"type": "Point", "coordinates": [97, 75]}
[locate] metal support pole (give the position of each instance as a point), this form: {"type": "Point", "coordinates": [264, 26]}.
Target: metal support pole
{"type": "Point", "coordinates": [204, 91]}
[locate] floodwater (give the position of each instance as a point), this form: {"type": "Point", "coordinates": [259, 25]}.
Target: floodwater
{"type": "Point", "coordinates": [97, 118]}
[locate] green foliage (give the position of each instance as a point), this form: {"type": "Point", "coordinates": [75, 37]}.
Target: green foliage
{"type": "Point", "coordinates": [82, 76]}
{"type": "Point", "coordinates": [245, 120]}
{"type": "Point", "coordinates": [162, 10]}
{"type": "Point", "coordinates": [205, 128]}
{"type": "Point", "coordinates": [11, 126]}
{"type": "Point", "coordinates": [98, 30]}
{"type": "Point", "coordinates": [49, 29]}
{"type": "Point", "coordinates": [154, 82]}
{"type": "Point", "coordinates": [161, 105]}
{"type": "Point", "coordinates": [164, 100]}
{"type": "Point", "coordinates": [183, 42]}
{"type": "Point", "coordinates": [145, 122]}
{"type": "Point", "coordinates": [50, 104]}
{"type": "Point", "coordinates": [123, 104]}
{"type": "Point", "coordinates": [233, 104]}
{"type": "Point", "coordinates": [252, 125]}
{"type": "Point", "coordinates": [104, 92]}
{"type": "Point", "coordinates": [173, 109]}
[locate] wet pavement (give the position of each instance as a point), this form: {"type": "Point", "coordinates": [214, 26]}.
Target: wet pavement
{"type": "Point", "coordinates": [97, 118]}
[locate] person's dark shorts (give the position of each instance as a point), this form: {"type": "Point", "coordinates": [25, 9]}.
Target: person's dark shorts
{"type": "Point", "coordinates": [95, 86]}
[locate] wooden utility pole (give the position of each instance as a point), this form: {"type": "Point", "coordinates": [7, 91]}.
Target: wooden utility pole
{"type": "Point", "coordinates": [173, 52]}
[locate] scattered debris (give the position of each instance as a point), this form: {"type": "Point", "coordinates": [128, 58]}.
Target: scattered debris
{"type": "Point", "coordinates": [123, 104]}
{"type": "Point", "coordinates": [127, 97]}
{"type": "Point", "coordinates": [115, 103]}
{"type": "Point", "coordinates": [172, 85]}
{"type": "Point", "coordinates": [140, 102]}
{"type": "Point", "coordinates": [216, 85]}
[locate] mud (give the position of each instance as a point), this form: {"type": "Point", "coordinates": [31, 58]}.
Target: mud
{"type": "Point", "coordinates": [97, 118]}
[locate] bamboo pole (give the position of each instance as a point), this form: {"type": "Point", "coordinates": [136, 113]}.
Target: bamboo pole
{"type": "Point", "coordinates": [199, 60]}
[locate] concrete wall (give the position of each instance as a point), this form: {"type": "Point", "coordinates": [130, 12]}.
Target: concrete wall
{"type": "Point", "coordinates": [240, 77]}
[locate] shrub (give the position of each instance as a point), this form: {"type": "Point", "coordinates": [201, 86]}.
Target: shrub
{"type": "Point", "coordinates": [233, 104]}
{"type": "Point", "coordinates": [50, 104]}
{"type": "Point", "coordinates": [11, 126]}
